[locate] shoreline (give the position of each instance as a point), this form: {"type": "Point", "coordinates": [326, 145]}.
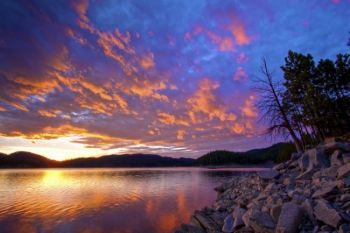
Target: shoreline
{"type": "Point", "coordinates": [308, 193]}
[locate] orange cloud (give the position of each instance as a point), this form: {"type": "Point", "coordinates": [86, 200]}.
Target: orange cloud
{"type": "Point", "coordinates": [2, 109]}
{"type": "Point", "coordinates": [240, 74]}
{"type": "Point", "coordinates": [147, 61]}
{"type": "Point", "coordinates": [206, 102]}
{"type": "Point", "coordinates": [147, 89]}
{"type": "Point", "coordinates": [237, 128]}
{"type": "Point", "coordinates": [242, 58]}
{"type": "Point", "coordinates": [238, 30]}
{"type": "Point", "coordinates": [49, 114]}
{"type": "Point", "coordinates": [170, 119]}
{"type": "Point", "coordinates": [180, 134]}
{"type": "Point", "coordinates": [224, 43]}
{"type": "Point", "coordinates": [248, 109]}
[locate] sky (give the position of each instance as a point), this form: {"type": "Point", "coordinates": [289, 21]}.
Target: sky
{"type": "Point", "coordinates": [170, 77]}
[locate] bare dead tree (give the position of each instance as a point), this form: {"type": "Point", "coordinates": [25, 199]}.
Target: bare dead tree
{"type": "Point", "coordinates": [272, 109]}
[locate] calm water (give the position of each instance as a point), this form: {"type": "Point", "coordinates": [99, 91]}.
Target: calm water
{"type": "Point", "coordinates": [104, 200]}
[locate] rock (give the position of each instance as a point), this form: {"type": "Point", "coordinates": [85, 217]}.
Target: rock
{"type": "Point", "coordinates": [238, 215]}
{"type": "Point", "coordinates": [295, 156]}
{"type": "Point", "coordinates": [290, 218]}
{"type": "Point", "coordinates": [326, 213]}
{"type": "Point", "coordinates": [343, 170]}
{"type": "Point", "coordinates": [303, 162]}
{"type": "Point", "coordinates": [336, 158]}
{"type": "Point", "coordinates": [279, 166]}
{"type": "Point", "coordinates": [205, 221]}
{"type": "Point", "coordinates": [325, 189]}
{"type": "Point", "coordinates": [307, 207]}
{"type": "Point", "coordinates": [317, 158]}
{"type": "Point", "coordinates": [344, 228]}
{"type": "Point", "coordinates": [267, 175]}
{"type": "Point", "coordinates": [307, 174]}
{"type": "Point", "coordinates": [228, 224]}
{"type": "Point", "coordinates": [345, 197]}
{"type": "Point", "coordinates": [261, 222]}
{"type": "Point", "coordinates": [346, 157]}
{"type": "Point", "coordinates": [332, 146]}
{"type": "Point", "coordinates": [186, 228]}
{"type": "Point", "coordinates": [275, 212]}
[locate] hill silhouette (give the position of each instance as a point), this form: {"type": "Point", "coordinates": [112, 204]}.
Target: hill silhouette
{"type": "Point", "coordinates": [277, 153]}
{"type": "Point", "coordinates": [24, 159]}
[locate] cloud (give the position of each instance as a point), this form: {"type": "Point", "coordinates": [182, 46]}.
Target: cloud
{"type": "Point", "coordinates": [240, 74]}
{"type": "Point", "coordinates": [249, 109]}
{"type": "Point", "coordinates": [170, 119]}
{"type": "Point", "coordinates": [147, 61]}
{"type": "Point", "coordinates": [205, 102]}
{"type": "Point", "coordinates": [180, 134]}
{"type": "Point", "coordinates": [239, 32]}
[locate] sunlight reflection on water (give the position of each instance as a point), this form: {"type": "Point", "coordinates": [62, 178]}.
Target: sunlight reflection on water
{"type": "Point", "coordinates": [104, 200]}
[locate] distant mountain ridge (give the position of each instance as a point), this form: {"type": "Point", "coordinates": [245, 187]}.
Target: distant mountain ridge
{"type": "Point", "coordinates": [278, 152]}
{"type": "Point", "coordinates": [23, 159]}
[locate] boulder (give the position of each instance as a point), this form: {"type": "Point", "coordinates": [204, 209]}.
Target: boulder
{"type": "Point", "coordinates": [326, 189]}
{"type": "Point", "coordinates": [228, 224]}
{"type": "Point", "coordinates": [267, 175]}
{"type": "Point", "coordinates": [261, 222]}
{"type": "Point", "coordinates": [307, 207]}
{"type": "Point", "coordinates": [336, 158]}
{"type": "Point", "coordinates": [306, 175]}
{"type": "Point", "coordinates": [303, 162]}
{"type": "Point", "coordinates": [326, 213]}
{"type": "Point", "coordinates": [290, 218]}
{"type": "Point", "coordinates": [344, 228]}
{"type": "Point", "coordinates": [205, 221]}
{"type": "Point", "coordinates": [346, 157]}
{"type": "Point", "coordinates": [275, 212]}
{"type": "Point", "coordinates": [295, 156]}
{"type": "Point", "coordinates": [238, 215]}
{"type": "Point", "coordinates": [332, 146]}
{"type": "Point", "coordinates": [345, 197]}
{"type": "Point", "coordinates": [317, 158]}
{"type": "Point", "coordinates": [186, 228]}
{"type": "Point", "coordinates": [343, 170]}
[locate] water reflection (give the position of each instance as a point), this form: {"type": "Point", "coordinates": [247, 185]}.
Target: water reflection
{"type": "Point", "coordinates": [104, 200]}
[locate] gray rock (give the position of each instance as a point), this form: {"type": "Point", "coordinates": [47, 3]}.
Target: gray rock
{"type": "Point", "coordinates": [346, 157]}
{"type": "Point", "coordinates": [345, 197]}
{"type": "Point", "coordinates": [275, 212]}
{"type": "Point", "coordinates": [317, 158]}
{"type": "Point", "coordinates": [238, 215]}
{"type": "Point", "coordinates": [290, 218]}
{"type": "Point", "coordinates": [326, 189]}
{"type": "Point", "coordinates": [332, 146]}
{"type": "Point", "coordinates": [326, 213]}
{"type": "Point", "coordinates": [228, 224]}
{"type": "Point", "coordinates": [295, 156]}
{"type": "Point", "coordinates": [307, 174]}
{"type": "Point", "coordinates": [267, 175]}
{"type": "Point", "coordinates": [344, 228]}
{"type": "Point", "coordinates": [343, 170]}
{"type": "Point", "coordinates": [205, 221]}
{"type": "Point", "coordinates": [307, 207]}
{"type": "Point", "coordinates": [261, 222]}
{"type": "Point", "coordinates": [186, 228]}
{"type": "Point", "coordinates": [303, 162]}
{"type": "Point", "coordinates": [336, 158]}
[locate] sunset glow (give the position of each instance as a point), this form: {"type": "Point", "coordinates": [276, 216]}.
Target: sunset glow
{"type": "Point", "coordinates": [89, 78]}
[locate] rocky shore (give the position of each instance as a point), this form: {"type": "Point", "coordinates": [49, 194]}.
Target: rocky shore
{"type": "Point", "coordinates": [308, 193]}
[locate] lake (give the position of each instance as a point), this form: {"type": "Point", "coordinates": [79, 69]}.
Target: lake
{"type": "Point", "coordinates": [131, 200]}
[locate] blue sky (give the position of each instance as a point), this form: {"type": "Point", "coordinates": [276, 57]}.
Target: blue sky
{"type": "Point", "coordinates": [84, 78]}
